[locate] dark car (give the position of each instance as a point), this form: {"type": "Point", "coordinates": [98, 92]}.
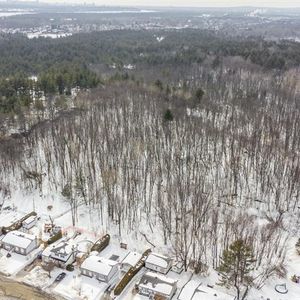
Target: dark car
{"type": "Point", "coordinates": [60, 277]}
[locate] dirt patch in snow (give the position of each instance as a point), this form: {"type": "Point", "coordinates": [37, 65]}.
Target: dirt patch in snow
{"type": "Point", "coordinates": [10, 289]}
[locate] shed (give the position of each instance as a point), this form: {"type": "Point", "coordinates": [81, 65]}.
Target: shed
{"type": "Point", "coordinates": [158, 263]}
{"type": "Point", "coordinates": [29, 222]}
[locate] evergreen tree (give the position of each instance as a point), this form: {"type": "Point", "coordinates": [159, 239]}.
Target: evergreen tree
{"type": "Point", "coordinates": [199, 94]}
{"type": "Point", "coordinates": [237, 263]}
{"type": "Point", "coordinates": [168, 116]}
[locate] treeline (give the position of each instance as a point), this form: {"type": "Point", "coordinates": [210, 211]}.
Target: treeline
{"type": "Point", "coordinates": [17, 92]}
{"type": "Point", "coordinates": [20, 54]}
{"type": "Point", "coordinates": [62, 80]}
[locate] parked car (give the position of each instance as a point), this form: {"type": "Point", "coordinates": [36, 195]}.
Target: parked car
{"type": "Point", "coordinates": [60, 277]}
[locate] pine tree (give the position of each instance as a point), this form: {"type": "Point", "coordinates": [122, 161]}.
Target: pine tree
{"type": "Point", "coordinates": [168, 116]}
{"type": "Point", "coordinates": [236, 265]}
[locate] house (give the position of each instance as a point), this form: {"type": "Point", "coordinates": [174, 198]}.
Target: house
{"type": "Point", "coordinates": [194, 290]}
{"type": "Point", "coordinates": [19, 242]}
{"type": "Point", "coordinates": [130, 260]}
{"type": "Point", "coordinates": [29, 222]}
{"type": "Point", "coordinates": [60, 253]}
{"type": "Point", "coordinates": [100, 268]}
{"type": "Point", "coordinates": [205, 292]}
{"type": "Point", "coordinates": [189, 290]}
{"type": "Point", "coordinates": [158, 263]}
{"type": "Point", "coordinates": [154, 285]}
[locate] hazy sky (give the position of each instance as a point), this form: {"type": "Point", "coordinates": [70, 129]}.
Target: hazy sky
{"type": "Point", "coordinates": [194, 3]}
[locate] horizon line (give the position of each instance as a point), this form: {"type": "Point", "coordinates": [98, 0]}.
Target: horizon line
{"type": "Point", "coordinates": [92, 3]}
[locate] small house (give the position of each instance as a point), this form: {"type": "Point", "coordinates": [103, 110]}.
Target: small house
{"type": "Point", "coordinates": [205, 292]}
{"type": "Point", "coordinates": [100, 268]}
{"type": "Point", "coordinates": [61, 254]}
{"type": "Point", "coordinates": [130, 260]}
{"type": "Point", "coordinates": [29, 222]}
{"type": "Point", "coordinates": [158, 263]}
{"type": "Point", "coordinates": [194, 290]}
{"type": "Point", "coordinates": [155, 285]}
{"type": "Point", "coordinates": [19, 242]}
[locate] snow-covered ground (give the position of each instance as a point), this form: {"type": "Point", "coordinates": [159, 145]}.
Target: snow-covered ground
{"type": "Point", "coordinates": [39, 278]}
{"type": "Point", "coordinates": [77, 287]}
{"type": "Point", "coordinates": [10, 266]}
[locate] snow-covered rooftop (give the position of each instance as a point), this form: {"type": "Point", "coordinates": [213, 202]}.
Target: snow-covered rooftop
{"type": "Point", "coordinates": [204, 292]}
{"type": "Point", "coordinates": [61, 250]}
{"type": "Point", "coordinates": [98, 265]}
{"type": "Point", "coordinates": [132, 258]}
{"type": "Point", "coordinates": [158, 260]}
{"type": "Point", "coordinates": [18, 239]}
{"type": "Point", "coordinates": [157, 283]}
{"type": "Point", "coordinates": [189, 290]}
{"type": "Point", "coordinates": [29, 220]}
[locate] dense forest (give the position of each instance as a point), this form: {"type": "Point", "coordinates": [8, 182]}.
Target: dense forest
{"type": "Point", "coordinates": [20, 54]}
{"type": "Point", "coordinates": [61, 65]}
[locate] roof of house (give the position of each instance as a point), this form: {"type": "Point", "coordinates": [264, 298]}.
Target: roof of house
{"type": "Point", "coordinates": [59, 251]}
{"type": "Point", "coordinates": [204, 292]}
{"type": "Point", "coordinates": [157, 283]}
{"type": "Point", "coordinates": [98, 265]}
{"type": "Point", "coordinates": [132, 258]}
{"type": "Point", "coordinates": [158, 260]}
{"type": "Point", "coordinates": [189, 290]}
{"type": "Point", "coordinates": [18, 239]}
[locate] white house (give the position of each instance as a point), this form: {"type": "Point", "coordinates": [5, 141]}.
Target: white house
{"type": "Point", "coordinates": [153, 284]}
{"type": "Point", "coordinates": [158, 263]}
{"type": "Point", "coordinates": [194, 290]}
{"type": "Point", "coordinates": [204, 292]}
{"type": "Point", "coordinates": [60, 253]}
{"type": "Point", "coordinates": [29, 222]}
{"type": "Point", "coordinates": [19, 242]}
{"type": "Point", "coordinates": [189, 290]}
{"type": "Point", "coordinates": [100, 268]}
{"type": "Point", "coordinates": [130, 260]}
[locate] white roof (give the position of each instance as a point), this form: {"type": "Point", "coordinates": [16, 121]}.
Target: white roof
{"type": "Point", "coordinates": [60, 250]}
{"type": "Point", "coordinates": [18, 239]}
{"type": "Point", "coordinates": [157, 283]}
{"type": "Point", "coordinates": [98, 265]}
{"type": "Point", "coordinates": [29, 220]}
{"type": "Point", "coordinates": [158, 260]}
{"type": "Point", "coordinates": [204, 292]}
{"type": "Point", "coordinates": [132, 258]}
{"type": "Point", "coordinates": [189, 290]}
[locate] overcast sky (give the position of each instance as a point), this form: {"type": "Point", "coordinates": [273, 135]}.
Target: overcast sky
{"type": "Point", "coordinates": [193, 3]}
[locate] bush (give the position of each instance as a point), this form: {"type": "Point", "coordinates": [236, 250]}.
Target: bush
{"type": "Point", "coordinates": [70, 268]}
{"type": "Point", "coordinates": [55, 237]}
